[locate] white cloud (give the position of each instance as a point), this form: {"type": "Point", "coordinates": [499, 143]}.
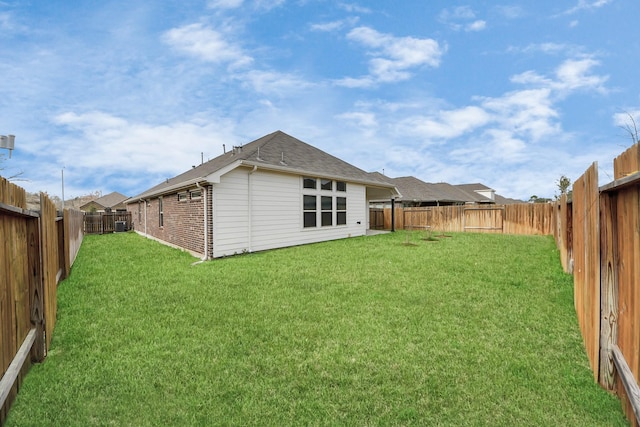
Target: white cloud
{"type": "Point", "coordinates": [462, 18]}
{"type": "Point", "coordinates": [510, 12]}
{"type": "Point", "coordinates": [270, 82]}
{"type": "Point", "coordinates": [107, 144]}
{"type": "Point", "coordinates": [225, 4]}
{"type": "Point", "coordinates": [446, 124]}
{"type": "Point", "coordinates": [478, 25]}
{"type": "Point", "coordinates": [206, 44]}
{"type": "Point", "coordinates": [393, 57]}
{"type": "Point", "coordinates": [528, 113]}
{"type": "Point", "coordinates": [334, 25]}
{"type": "Point", "coordinates": [571, 75]}
{"type": "Point", "coordinates": [361, 119]}
{"type": "Point", "coordinates": [350, 7]}
{"type": "Point", "coordinates": [587, 5]}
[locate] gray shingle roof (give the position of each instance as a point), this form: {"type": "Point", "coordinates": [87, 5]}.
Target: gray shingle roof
{"type": "Point", "coordinates": [414, 189]}
{"type": "Point", "coordinates": [274, 151]}
{"type": "Point", "coordinates": [108, 201]}
{"type": "Point", "coordinates": [472, 191]}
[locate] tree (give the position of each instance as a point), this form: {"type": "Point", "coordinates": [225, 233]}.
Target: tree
{"type": "Point", "coordinates": [631, 128]}
{"type": "Point", "coordinates": [563, 185]}
{"type": "Point", "coordinates": [536, 199]}
{"type": "Point", "coordinates": [13, 177]}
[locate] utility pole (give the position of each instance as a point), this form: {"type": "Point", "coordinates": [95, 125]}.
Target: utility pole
{"type": "Point", "coordinates": [62, 171]}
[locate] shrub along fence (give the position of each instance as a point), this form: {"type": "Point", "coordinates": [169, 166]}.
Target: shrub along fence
{"type": "Point", "coordinates": [37, 251]}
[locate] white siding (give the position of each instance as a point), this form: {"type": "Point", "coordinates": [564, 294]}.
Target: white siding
{"type": "Point", "coordinates": [276, 213]}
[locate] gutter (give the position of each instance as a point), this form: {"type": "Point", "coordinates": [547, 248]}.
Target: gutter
{"type": "Point", "coordinates": [290, 170]}
{"type": "Point", "coordinates": [250, 204]}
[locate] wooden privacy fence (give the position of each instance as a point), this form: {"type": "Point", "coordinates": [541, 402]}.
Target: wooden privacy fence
{"type": "Point", "coordinates": [523, 218]}
{"type": "Point", "coordinates": [36, 252]}
{"type": "Point", "coordinates": [106, 222]}
{"type": "Point", "coordinates": [603, 231]}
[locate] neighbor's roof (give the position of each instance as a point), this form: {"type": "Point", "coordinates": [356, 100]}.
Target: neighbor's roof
{"type": "Point", "coordinates": [108, 201]}
{"type": "Point", "coordinates": [276, 151]}
{"type": "Point", "coordinates": [472, 191]}
{"type": "Point", "coordinates": [414, 189]}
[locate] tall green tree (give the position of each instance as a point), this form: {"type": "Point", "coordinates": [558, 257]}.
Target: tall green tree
{"type": "Point", "coordinates": [564, 184]}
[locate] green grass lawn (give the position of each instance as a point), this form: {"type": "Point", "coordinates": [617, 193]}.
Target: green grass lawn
{"type": "Point", "coordinates": [385, 330]}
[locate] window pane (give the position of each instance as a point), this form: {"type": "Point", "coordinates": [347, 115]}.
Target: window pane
{"type": "Point", "coordinates": [341, 218]}
{"type": "Point", "coordinates": [309, 219]}
{"type": "Point", "coordinates": [309, 183]}
{"type": "Point", "coordinates": [327, 204]}
{"type": "Point", "coordinates": [326, 184]}
{"type": "Point", "coordinates": [341, 185]}
{"type": "Point", "coordinates": [327, 218]}
{"type": "Point", "coordinates": [309, 203]}
{"type": "Point", "coordinates": [341, 203]}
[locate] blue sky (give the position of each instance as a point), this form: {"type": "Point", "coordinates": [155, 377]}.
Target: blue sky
{"type": "Point", "coordinates": [123, 94]}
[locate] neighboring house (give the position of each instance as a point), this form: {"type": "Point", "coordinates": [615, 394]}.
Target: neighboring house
{"type": "Point", "coordinates": [274, 192]}
{"type": "Point", "coordinates": [417, 193]}
{"type": "Point", "coordinates": [111, 202]}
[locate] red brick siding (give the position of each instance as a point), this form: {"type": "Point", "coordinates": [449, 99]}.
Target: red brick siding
{"type": "Point", "coordinates": [183, 223]}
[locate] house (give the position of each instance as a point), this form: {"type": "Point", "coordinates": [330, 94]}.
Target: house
{"type": "Point", "coordinates": [485, 195]}
{"type": "Point", "coordinates": [274, 192]}
{"type": "Point", "coordinates": [417, 193]}
{"type": "Point", "coordinates": [111, 202]}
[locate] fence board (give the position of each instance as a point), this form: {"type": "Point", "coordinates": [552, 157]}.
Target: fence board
{"type": "Point", "coordinates": [484, 219]}
{"type": "Point", "coordinates": [32, 253]}
{"type": "Point", "coordinates": [50, 263]}
{"type": "Point", "coordinates": [586, 252]}
{"type": "Point", "coordinates": [14, 299]}
{"type": "Point", "coordinates": [627, 219]}
{"type": "Point", "coordinates": [105, 222]}
{"type": "Point", "coordinates": [523, 218]}
{"type": "Point", "coordinates": [627, 163]}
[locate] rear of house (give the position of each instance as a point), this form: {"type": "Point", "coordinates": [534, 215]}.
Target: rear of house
{"type": "Point", "coordinates": [274, 192]}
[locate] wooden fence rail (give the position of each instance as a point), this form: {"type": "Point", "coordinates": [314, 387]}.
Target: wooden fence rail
{"type": "Point", "coordinates": [36, 252]}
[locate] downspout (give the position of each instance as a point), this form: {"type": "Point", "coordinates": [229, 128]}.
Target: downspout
{"type": "Point", "coordinates": [145, 217]}
{"type": "Point", "coordinates": [250, 204]}
{"type": "Point", "coordinates": [206, 231]}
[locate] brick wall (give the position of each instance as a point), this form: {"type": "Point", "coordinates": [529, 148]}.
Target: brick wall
{"type": "Point", "coordinates": [183, 221]}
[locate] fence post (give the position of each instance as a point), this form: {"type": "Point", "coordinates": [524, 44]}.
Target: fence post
{"type": "Point", "coordinates": [393, 215]}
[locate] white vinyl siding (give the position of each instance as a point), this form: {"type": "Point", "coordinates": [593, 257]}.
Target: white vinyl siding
{"type": "Point", "coordinates": [276, 213]}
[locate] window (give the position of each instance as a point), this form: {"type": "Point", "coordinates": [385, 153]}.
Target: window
{"type": "Point", "coordinates": [341, 210]}
{"type": "Point", "coordinates": [182, 197]}
{"type": "Point", "coordinates": [321, 205]}
{"type": "Point", "coordinates": [196, 194]}
{"type": "Point", "coordinates": [310, 209]}
{"type": "Point", "coordinates": [327, 210]}
{"type": "Point", "coordinates": [309, 183]}
{"type": "Point", "coordinates": [160, 213]}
